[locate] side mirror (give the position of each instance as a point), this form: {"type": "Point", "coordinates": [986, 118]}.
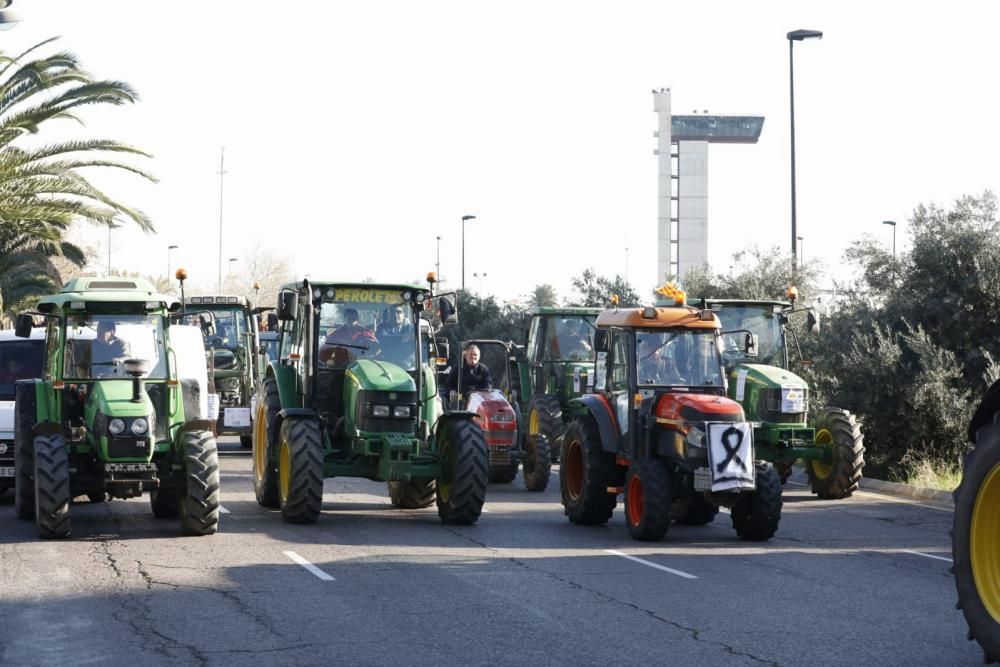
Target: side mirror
{"type": "Point", "coordinates": [601, 340]}
{"type": "Point", "coordinates": [812, 321]}
{"type": "Point", "coordinates": [750, 345]}
{"type": "Point", "coordinates": [447, 310]}
{"type": "Point", "coordinates": [22, 328]}
{"type": "Point", "coordinates": [443, 347]}
{"type": "Point", "coordinates": [288, 303]}
{"type": "Point", "coordinates": [207, 324]}
{"type": "Point", "coordinates": [272, 321]}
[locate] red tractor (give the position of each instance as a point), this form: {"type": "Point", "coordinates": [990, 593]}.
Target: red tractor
{"type": "Point", "coordinates": [507, 441]}
{"type": "Point", "coordinates": [657, 426]}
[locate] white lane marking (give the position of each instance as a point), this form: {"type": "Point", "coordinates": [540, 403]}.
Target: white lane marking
{"type": "Point", "coordinates": [223, 510]}
{"type": "Point", "coordinates": [307, 565]}
{"type": "Point", "coordinates": [885, 496]}
{"type": "Point", "coordinates": [646, 562]}
{"type": "Point", "coordinates": [917, 553]}
{"type": "Point", "coordinates": [484, 510]}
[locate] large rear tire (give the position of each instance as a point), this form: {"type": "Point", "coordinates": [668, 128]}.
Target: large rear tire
{"type": "Point", "coordinates": [24, 470]}
{"type": "Point", "coordinates": [52, 494]}
{"type": "Point", "coordinates": [461, 491]}
{"type": "Point", "coordinates": [647, 500]}
{"type": "Point", "coordinates": [200, 502]}
{"type": "Point", "coordinates": [585, 474]}
{"type": "Point", "coordinates": [503, 474]}
{"type": "Point", "coordinates": [300, 470]}
{"type": "Point", "coordinates": [545, 418]}
{"type": "Point", "coordinates": [412, 495]}
{"type": "Point", "coordinates": [265, 445]}
{"type": "Point", "coordinates": [756, 515]}
{"type": "Point", "coordinates": [976, 540]}
{"type": "Point", "coordinates": [837, 429]}
{"type": "Point", "coordinates": [537, 465]}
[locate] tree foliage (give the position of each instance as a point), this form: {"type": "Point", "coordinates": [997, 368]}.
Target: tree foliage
{"type": "Point", "coordinates": [595, 291]}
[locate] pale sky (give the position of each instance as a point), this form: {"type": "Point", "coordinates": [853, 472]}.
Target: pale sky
{"type": "Point", "coordinates": [357, 132]}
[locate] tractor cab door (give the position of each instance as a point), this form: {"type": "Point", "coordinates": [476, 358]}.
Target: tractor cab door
{"type": "Point", "coordinates": [619, 384]}
{"type": "Point", "coordinates": [536, 369]}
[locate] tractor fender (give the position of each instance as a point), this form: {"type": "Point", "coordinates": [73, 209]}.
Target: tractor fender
{"type": "Point", "coordinates": [598, 408]}
{"type": "Point", "coordinates": [295, 412]}
{"type": "Point", "coordinates": [452, 416]}
{"type": "Point", "coordinates": [284, 377]}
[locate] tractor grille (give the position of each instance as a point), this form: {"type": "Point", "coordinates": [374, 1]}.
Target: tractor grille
{"type": "Point", "coordinates": [367, 421]}
{"type": "Point", "coordinates": [499, 456]}
{"type": "Point", "coordinates": [770, 408]}
{"type": "Point", "coordinates": [128, 448]}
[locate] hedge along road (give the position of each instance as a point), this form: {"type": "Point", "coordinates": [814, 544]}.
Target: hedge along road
{"type": "Point", "coordinates": [846, 582]}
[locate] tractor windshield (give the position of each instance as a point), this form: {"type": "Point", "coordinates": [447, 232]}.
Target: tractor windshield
{"type": "Point", "coordinates": [681, 357]}
{"type": "Point", "coordinates": [230, 326]}
{"type": "Point", "coordinates": [569, 338]}
{"type": "Point", "coordinates": [98, 345]}
{"type": "Point", "coordinates": [760, 319]}
{"type": "Point", "coordinates": [367, 324]}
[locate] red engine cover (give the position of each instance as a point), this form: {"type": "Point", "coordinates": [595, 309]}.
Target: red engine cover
{"type": "Point", "coordinates": [699, 407]}
{"type": "Point", "coordinates": [488, 406]}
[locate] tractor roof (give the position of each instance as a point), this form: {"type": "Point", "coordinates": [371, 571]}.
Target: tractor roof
{"type": "Point", "coordinates": [107, 290]}
{"type": "Point", "coordinates": [667, 317]}
{"type": "Point", "coordinates": [220, 300]}
{"type": "Point", "coordinates": [323, 284]}
{"type": "Point", "coordinates": [747, 302]}
{"type": "Point", "coordinates": [564, 310]}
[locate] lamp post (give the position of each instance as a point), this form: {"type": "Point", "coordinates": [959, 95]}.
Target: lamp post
{"type": "Point", "coordinates": [231, 260]}
{"type": "Point", "coordinates": [893, 224]}
{"type": "Point", "coordinates": [438, 264]}
{"type": "Point", "coordinates": [222, 176]}
{"type": "Point", "coordinates": [8, 19]}
{"type": "Point", "coordinates": [169, 249]}
{"type": "Point", "coordinates": [802, 250]}
{"type": "Point", "coordinates": [795, 36]}
{"type": "Point", "coordinates": [464, 219]}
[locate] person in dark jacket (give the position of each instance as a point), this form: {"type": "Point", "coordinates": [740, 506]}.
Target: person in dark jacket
{"type": "Point", "coordinates": [475, 376]}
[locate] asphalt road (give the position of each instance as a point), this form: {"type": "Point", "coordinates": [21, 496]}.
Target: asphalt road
{"type": "Point", "coordinates": [858, 582]}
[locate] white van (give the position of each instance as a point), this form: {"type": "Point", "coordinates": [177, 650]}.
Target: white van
{"type": "Point", "coordinates": [20, 359]}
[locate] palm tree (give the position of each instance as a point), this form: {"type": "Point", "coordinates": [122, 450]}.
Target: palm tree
{"type": "Point", "coordinates": [543, 295]}
{"type": "Point", "coordinates": [42, 189]}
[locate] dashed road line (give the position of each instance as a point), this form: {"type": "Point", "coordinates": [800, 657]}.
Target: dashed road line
{"type": "Point", "coordinates": [223, 510]}
{"type": "Point", "coordinates": [307, 565]}
{"type": "Point", "coordinates": [651, 564]}
{"type": "Point", "coordinates": [917, 553]}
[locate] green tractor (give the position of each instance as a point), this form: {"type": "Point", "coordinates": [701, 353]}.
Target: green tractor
{"type": "Point", "coordinates": [756, 356]}
{"type": "Point", "coordinates": [975, 531]}
{"type": "Point", "coordinates": [235, 357]}
{"type": "Point", "coordinates": [556, 367]}
{"type": "Point", "coordinates": [355, 394]}
{"type": "Point", "coordinates": [120, 409]}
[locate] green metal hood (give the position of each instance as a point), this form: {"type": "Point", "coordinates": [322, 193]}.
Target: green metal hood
{"type": "Point", "coordinates": [380, 376]}
{"type": "Point", "coordinates": [114, 399]}
{"type": "Point", "coordinates": [766, 376]}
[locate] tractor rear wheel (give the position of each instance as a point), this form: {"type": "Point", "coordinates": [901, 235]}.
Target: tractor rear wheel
{"type": "Point", "coordinates": [837, 429]}
{"type": "Point", "coordinates": [647, 500]}
{"type": "Point", "coordinates": [246, 441]}
{"type": "Point", "coordinates": [24, 470]}
{"type": "Point", "coordinates": [199, 504]}
{"type": "Point", "coordinates": [976, 540]}
{"type": "Point", "coordinates": [265, 445]}
{"type": "Point", "coordinates": [461, 491]}
{"type": "Point", "coordinates": [585, 474]}
{"type": "Point", "coordinates": [545, 418]}
{"type": "Point", "coordinates": [412, 495]}
{"type": "Point", "coordinates": [52, 494]}
{"type": "Point", "coordinates": [300, 470]}
{"type": "Point", "coordinates": [756, 515]}
{"type": "Point", "coordinates": [536, 467]}
{"type": "Point", "coordinates": [699, 511]}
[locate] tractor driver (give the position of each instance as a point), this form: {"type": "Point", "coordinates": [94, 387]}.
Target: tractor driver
{"type": "Point", "coordinates": [333, 351]}
{"type": "Point", "coordinates": [475, 376]}
{"type": "Point", "coordinates": [107, 349]}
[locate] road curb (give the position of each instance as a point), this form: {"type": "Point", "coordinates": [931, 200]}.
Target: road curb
{"type": "Point", "coordinates": [892, 488]}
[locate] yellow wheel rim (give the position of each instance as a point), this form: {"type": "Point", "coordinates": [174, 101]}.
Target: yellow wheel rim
{"type": "Point", "coordinates": [284, 471]}
{"type": "Point", "coordinates": [533, 423]}
{"type": "Point", "coordinates": [260, 444]}
{"type": "Point", "coordinates": [822, 469]}
{"type": "Point", "coordinates": [984, 543]}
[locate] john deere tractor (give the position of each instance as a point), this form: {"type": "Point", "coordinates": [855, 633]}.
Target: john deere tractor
{"type": "Point", "coordinates": [119, 409]}
{"type": "Point", "coordinates": [777, 400]}
{"type": "Point", "coordinates": [558, 363]}
{"type": "Point", "coordinates": [976, 529]}
{"type": "Point", "coordinates": [235, 356]}
{"type": "Point", "coordinates": [658, 427]}
{"type": "Point", "coordinates": [356, 396]}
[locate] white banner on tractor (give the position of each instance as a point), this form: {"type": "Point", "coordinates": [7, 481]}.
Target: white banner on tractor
{"type": "Point", "coordinates": [730, 455]}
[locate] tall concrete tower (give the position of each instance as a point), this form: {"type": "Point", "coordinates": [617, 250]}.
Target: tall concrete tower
{"type": "Point", "coordinates": [682, 183]}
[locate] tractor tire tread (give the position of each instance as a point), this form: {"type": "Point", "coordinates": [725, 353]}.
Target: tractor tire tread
{"type": "Point", "coordinates": [200, 503]}
{"type": "Point", "coordinates": [469, 473]}
{"type": "Point", "coordinates": [305, 493]}
{"type": "Point", "coordinates": [756, 515]}
{"type": "Point", "coordinates": [52, 486]}
{"type": "Point", "coordinates": [595, 506]}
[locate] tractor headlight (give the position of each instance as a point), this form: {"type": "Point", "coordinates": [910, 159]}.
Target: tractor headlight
{"type": "Point", "coordinates": [696, 437]}
{"type": "Point", "coordinates": [140, 426]}
{"type": "Point", "coordinates": [116, 426]}
{"type": "Point", "coordinates": [380, 410]}
{"type": "Point", "coordinates": [401, 411]}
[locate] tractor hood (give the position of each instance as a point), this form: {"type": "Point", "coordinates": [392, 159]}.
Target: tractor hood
{"type": "Point", "coordinates": [113, 398]}
{"type": "Point", "coordinates": [764, 376]}
{"type": "Point", "coordinates": [380, 376]}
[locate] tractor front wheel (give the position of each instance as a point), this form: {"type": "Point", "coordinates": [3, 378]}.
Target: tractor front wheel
{"type": "Point", "coordinates": [199, 506]}
{"type": "Point", "coordinates": [503, 474]}
{"type": "Point", "coordinates": [24, 470]}
{"type": "Point", "coordinates": [545, 418]}
{"type": "Point", "coordinates": [412, 495]}
{"type": "Point", "coordinates": [461, 491]}
{"type": "Point", "coordinates": [166, 504]}
{"type": "Point", "coordinates": [585, 474]}
{"type": "Point", "coordinates": [52, 494]}
{"type": "Point", "coordinates": [756, 515]}
{"type": "Point", "coordinates": [300, 470]}
{"type": "Point", "coordinates": [837, 430]}
{"type": "Point", "coordinates": [976, 540]}
{"type": "Point", "coordinates": [265, 445]}
{"type": "Point", "coordinates": [537, 465]}
{"type": "Point", "coordinates": [647, 500]}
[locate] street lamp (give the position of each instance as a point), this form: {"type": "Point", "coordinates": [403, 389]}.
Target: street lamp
{"type": "Point", "coordinates": [8, 19]}
{"type": "Point", "coordinates": [169, 248]}
{"type": "Point", "coordinates": [795, 36]}
{"type": "Point", "coordinates": [464, 219]}
{"type": "Point", "coordinates": [802, 250]}
{"type": "Point", "coordinates": [231, 260]}
{"type": "Point", "coordinates": [893, 223]}
{"type": "Point", "coordinates": [480, 283]}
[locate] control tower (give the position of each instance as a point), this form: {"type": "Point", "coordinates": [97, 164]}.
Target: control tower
{"type": "Point", "coordinates": [682, 186]}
